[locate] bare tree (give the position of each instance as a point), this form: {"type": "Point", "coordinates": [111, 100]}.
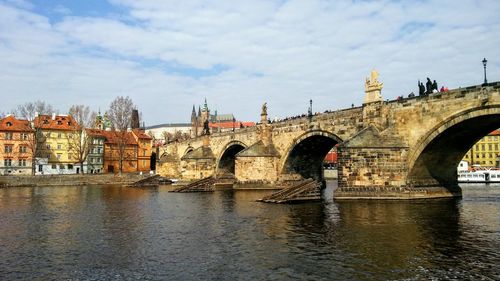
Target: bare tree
{"type": "Point", "coordinates": [34, 141]}
{"type": "Point", "coordinates": [166, 136]}
{"type": "Point", "coordinates": [152, 135]}
{"type": "Point", "coordinates": [120, 115]}
{"type": "Point", "coordinates": [80, 142]}
{"type": "Point", "coordinates": [30, 109]}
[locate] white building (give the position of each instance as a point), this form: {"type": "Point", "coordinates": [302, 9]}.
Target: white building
{"type": "Point", "coordinates": [173, 128]}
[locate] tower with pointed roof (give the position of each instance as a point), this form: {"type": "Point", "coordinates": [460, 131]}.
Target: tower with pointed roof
{"type": "Point", "coordinates": [205, 113]}
{"type": "Point", "coordinates": [194, 123]}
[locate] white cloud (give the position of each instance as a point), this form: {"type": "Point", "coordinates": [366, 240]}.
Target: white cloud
{"type": "Point", "coordinates": [283, 52]}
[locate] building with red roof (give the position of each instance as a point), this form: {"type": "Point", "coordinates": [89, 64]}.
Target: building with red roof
{"type": "Point", "coordinates": [120, 143]}
{"type": "Point", "coordinates": [16, 146]}
{"type": "Point", "coordinates": [144, 150]}
{"type": "Point", "coordinates": [58, 132]}
{"type": "Point", "coordinates": [229, 126]}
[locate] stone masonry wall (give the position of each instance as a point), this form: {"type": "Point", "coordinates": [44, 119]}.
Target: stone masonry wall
{"type": "Point", "coordinates": [197, 169]}
{"type": "Point", "coordinates": [73, 180]}
{"type": "Point", "coordinates": [253, 169]}
{"type": "Point", "coordinates": [372, 167]}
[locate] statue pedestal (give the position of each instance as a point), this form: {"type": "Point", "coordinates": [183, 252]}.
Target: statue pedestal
{"type": "Point", "coordinates": [373, 88]}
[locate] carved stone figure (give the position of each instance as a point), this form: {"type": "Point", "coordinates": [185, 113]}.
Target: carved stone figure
{"type": "Point", "coordinates": [206, 129]}
{"type": "Point", "coordinates": [264, 109]}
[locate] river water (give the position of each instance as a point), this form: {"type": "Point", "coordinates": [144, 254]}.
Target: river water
{"type": "Point", "coordinates": [119, 233]}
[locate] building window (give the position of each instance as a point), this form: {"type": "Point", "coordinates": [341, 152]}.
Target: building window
{"type": "Point", "coordinates": [59, 135]}
{"type": "Point", "coordinates": [61, 166]}
{"type": "Point", "coordinates": [144, 152]}
{"type": "Point", "coordinates": [23, 149]}
{"type": "Point", "coordinates": [9, 124]}
{"type": "Point", "coordinates": [54, 166]}
{"type": "Point", "coordinates": [70, 166]}
{"type": "Point", "coordinates": [40, 168]}
{"type": "Point", "coordinates": [490, 146]}
{"type": "Point", "coordinates": [8, 149]}
{"type": "Point", "coordinates": [482, 147]}
{"type": "Point", "coordinates": [59, 146]}
{"type": "Point", "coordinates": [8, 136]}
{"type": "Point", "coordinates": [48, 135]}
{"type": "Point", "coordinates": [24, 136]}
{"type": "Point", "coordinates": [48, 146]}
{"type": "Point", "coordinates": [59, 155]}
{"type": "Point", "coordinates": [22, 162]}
{"type": "Point", "coordinates": [7, 162]}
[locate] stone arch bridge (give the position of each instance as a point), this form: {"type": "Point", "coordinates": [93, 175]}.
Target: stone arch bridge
{"type": "Point", "coordinates": [406, 148]}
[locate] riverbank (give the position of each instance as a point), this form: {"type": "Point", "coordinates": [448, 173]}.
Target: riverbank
{"type": "Point", "coordinates": [71, 180]}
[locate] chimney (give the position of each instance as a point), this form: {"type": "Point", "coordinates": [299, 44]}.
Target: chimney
{"type": "Point", "coordinates": [53, 116]}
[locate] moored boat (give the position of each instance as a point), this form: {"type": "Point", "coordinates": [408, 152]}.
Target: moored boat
{"type": "Point", "coordinates": [480, 176]}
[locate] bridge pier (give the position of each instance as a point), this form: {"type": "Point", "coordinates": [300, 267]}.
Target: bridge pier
{"type": "Point", "coordinates": [374, 166]}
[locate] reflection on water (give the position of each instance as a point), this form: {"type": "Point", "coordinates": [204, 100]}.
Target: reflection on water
{"type": "Point", "coordinates": [116, 233]}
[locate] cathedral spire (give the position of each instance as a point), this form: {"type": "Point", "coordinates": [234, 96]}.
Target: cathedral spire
{"type": "Point", "coordinates": [205, 106]}
{"type": "Point", "coordinates": [193, 115]}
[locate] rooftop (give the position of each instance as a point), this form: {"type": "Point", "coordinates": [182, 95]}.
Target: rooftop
{"type": "Point", "coordinates": [10, 123]}
{"type": "Point", "coordinates": [56, 122]}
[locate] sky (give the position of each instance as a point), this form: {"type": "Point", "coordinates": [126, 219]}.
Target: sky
{"type": "Point", "coordinates": [170, 55]}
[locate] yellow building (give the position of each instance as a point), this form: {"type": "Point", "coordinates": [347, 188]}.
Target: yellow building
{"type": "Point", "coordinates": [485, 152]}
{"type": "Point", "coordinates": [57, 132]}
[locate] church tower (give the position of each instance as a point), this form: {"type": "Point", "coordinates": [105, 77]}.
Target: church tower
{"type": "Point", "coordinates": [98, 122]}
{"type": "Point", "coordinates": [205, 113]}
{"type": "Point", "coordinates": [194, 123]}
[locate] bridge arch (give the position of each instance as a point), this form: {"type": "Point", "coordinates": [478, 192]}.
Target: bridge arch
{"type": "Point", "coordinates": [307, 152]}
{"type": "Point", "coordinates": [188, 150]}
{"type": "Point", "coordinates": [434, 160]}
{"type": "Point", "coordinates": [226, 160]}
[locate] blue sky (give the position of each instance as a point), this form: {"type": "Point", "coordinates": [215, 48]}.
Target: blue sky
{"type": "Point", "coordinates": [168, 55]}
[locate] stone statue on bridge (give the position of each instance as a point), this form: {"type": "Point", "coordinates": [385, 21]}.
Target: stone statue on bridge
{"type": "Point", "coordinates": [264, 109]}
{"type": "Point", "coordinates": [373, 88]}
{"type": "Point", "coordinates": [206, 129]}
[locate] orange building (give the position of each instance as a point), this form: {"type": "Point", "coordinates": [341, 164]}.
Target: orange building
{"type": "Point", "coordinates": [16, 146]}
{"type": "Point", "coordinates": [112, 144]}
{"type": "Point", "coordinates": [145, 144]}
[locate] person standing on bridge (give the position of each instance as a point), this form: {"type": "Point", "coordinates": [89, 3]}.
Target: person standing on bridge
{"type": "Point", "coordinates": [428, 86]}
{"type": "Point", "coordinates": [421, 88]}
{"type": "Point", "coordinates": [434, 86]}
